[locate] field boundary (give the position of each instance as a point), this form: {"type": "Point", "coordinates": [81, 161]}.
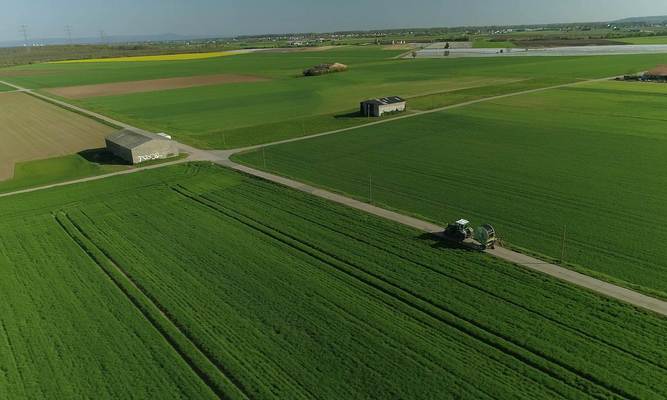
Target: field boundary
{"type": "Point", "coordinates": [232, 152]}
{"type": "Point", "coordinates": [212, 374]}
{"type": "Point", "coordinates": [150, 85]}
{"type": "Point", "coordinates": [223, 158]}
{"type": "Point", "coordinates": [69, 108]}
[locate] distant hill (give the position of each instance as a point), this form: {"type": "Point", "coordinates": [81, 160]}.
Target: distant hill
{"type": "Point", "coordinates": [644, 20]}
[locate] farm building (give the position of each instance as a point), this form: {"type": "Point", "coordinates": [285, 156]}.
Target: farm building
{"type": "Point", "coordinates": [136, 146]}
{"type": "Point", "coordinates": [657, 74]}
{"type": "Point", "coordinates": [377, 107]}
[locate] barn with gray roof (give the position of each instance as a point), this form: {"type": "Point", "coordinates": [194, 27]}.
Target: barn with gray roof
{"type": "Point", "coordinates": [383, 105]}
{"type": "Point", "coordinates": [135, 146]}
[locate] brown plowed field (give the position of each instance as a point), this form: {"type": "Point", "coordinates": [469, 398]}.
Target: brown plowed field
{"type": "Point", "coordinates": [31, 129]}
{"type": "Point", "coordinates": [118, 88]}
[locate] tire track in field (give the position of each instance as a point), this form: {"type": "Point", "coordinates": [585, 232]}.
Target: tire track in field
{"type": "Point", "coordinates": [460, 316]}
{"type": "Point", "coordinates": [203, 363]}
{"type": "Point", "coordinates": [474, 286]}
{"type": "Point", "coordinates": [416, 301]}
{"type": "Point", "coordinates": [222, 158]}
{"type": "Point", "coordinates": [12, 352]}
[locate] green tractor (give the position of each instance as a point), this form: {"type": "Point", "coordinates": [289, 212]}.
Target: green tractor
{"type": "Point", "coordinates": [458, 231]}
{"type": "Point", "coordinates": [461, 232]}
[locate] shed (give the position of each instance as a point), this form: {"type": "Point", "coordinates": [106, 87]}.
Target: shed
{"type": "Point", "coordinates": [136, 146]}
{"type": "Point", "coordinates": [383, 105]}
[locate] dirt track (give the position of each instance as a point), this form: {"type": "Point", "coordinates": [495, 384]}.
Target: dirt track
{"type": "Point", "coordinates": [119, 88]}
{"type": "Point", "coordinates": [223, 158]}
{"type": "Point", "coordinates": [564, 274]}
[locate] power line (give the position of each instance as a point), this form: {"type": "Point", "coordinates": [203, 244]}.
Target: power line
{"type": "Point", "coordinates": [370, 189]}
{"type": "Point", "coordinates": [562, 251]}
{"type": "Point", "coordinates": [68, 30]}
{"type": "Point", "coordinates": [24, 31]}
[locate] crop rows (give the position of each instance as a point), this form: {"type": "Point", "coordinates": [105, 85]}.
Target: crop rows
{"type": "Point", "coordinates": [66, 332]}
{"type": "Point", "coordinates": [296, 298]}
{"type": "Point", "coordinates": [571, 163]}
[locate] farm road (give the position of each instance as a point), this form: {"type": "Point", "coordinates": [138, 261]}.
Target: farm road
{"type": "Point", "coordinates": [223, 158]}
{"type": "Point", "coordinates": [564, 274]}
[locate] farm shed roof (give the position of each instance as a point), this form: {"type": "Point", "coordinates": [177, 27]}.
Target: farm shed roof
{"type": "Point", "coordinates": [385, 100]}
{"type": "Point", "coordinates": [658, 71]}
{"type": "Point", "coordinates": [130, 138]}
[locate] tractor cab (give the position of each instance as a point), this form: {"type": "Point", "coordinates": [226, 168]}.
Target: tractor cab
{"type": "Point", "coordinates": [459, 231]}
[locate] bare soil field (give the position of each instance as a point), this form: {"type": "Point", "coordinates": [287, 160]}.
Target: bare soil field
{"type": "Point", "coordinates": [659, 70]}
{"type": "Point", "coordinates": [31, 129]}
{"type": "Point", "coordinates": [119, 88]}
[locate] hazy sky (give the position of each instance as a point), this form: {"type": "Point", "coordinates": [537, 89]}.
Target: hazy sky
{"type": "Point", "coordinates": [47, 18]}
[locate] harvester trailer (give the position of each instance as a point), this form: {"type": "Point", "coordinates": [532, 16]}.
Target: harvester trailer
{"type": "Point", "coordinates": [462, 233]}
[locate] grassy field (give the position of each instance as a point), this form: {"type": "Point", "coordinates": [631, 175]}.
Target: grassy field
{"type": "Point", "coordinates": [287, 105]}
{"type": "Point", "coordinates": [162, 57]}
{"type": "Point", "coordinates": [585, 159]}
{"type": "Point", "coordinates": [289, 296]}
{"type": "Point", "coordinates": [645, 40]}
{"type": "Point", "coordinates": [58, 169]}
{"type": "Point", "coordinates": [67, 332]}
{"type": "Point", "coordinates": [5, 88]}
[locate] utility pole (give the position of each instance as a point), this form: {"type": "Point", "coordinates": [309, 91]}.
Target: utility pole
{"type": "Point", "coordinates": [68, 31]}
{"type": "Point", "coordinates": [370, 188]}
{"type": "Point", "coordinates": [24, 31]}
{"type": "Point", "coordinates": [562, 250]}
{"type": "Point", "coordinates": [102, 37]}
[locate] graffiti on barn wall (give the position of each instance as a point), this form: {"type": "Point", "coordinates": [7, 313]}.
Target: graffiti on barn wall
{"type": "Point", "coordinates": [149, 157]}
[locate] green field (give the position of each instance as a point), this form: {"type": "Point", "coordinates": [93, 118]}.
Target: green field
{"type": "Point", "coordinates": [88, 164]}
{"type": "Point", "coordinates": [67, 332]}
{"type": "Point", "coordinates": [237, 115]}
{"type": "Point", "coordinates": [287, 296]}
{"type": "Point", "coordinates": [54, 170]}
{"type": "Point", "coordinates": [5, 88]}
{"type": "Point", "coordinates": [586, 159]}
{"type": "Point", "coordinates": [645, 40]}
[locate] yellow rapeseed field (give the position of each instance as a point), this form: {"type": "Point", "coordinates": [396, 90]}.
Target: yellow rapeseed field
{"type": "Point", "coordinates": [164, 57]}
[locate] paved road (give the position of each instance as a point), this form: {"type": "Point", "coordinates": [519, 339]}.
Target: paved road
{"type": "Point", "coordinates": [223, 158]}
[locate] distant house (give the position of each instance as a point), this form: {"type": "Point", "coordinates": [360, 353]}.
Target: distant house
{"type": "Point", "coordinates": [135, 146]}
{"type": "Point", "coordinates": [377, 107]}
{"type": "Point", "coordinates": [657, 74]}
